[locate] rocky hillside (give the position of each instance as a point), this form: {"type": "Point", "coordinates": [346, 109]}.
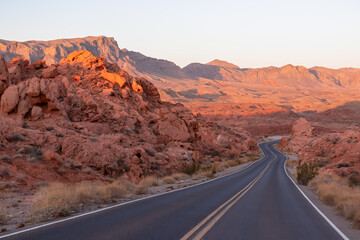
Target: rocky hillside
{"type": "Point", "coordinates": [85, 118]}
{"type": "Point", "coordinates": [336, 152]}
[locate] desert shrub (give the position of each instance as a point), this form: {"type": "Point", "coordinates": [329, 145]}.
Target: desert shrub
{"type": "Point", "coordinates": [168, 180]}
{"type": "Point", "coordinates": [189, 168]}
{"type": "Point", "coordinates": [341, 165]}
{"type": "Point", "coordinates": [34, 153]}
{"type": "Point", "coordinates": [3, 217]}
{"type": "Point", "coordinates": [5, 158]}
{"type": "Point", "coordinates": [180, 176]}
{"type": "Point", "coordinates": [353, 180]}
{"type": "Point", "coordinates": [49, 128]}
{"type": "Point", "coordinates": [335, 140]}
{"type": "Point", "coordinates": [15, 138]}
{"type": "Point", "coordinates": [149, 181]}
{"type": "Point", "coordinates": [305, 172]}
{"type": "Point", "coordinates": [20, 177]}
{"type": "Point", "coordinates": [141, 189]}
{"type": "Point", "coordinates": [4, 172]}
{"type": "Point", "coordinates": [18, 156]}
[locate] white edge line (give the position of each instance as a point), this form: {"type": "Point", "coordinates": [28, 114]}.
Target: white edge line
{"type": "Point", "coordinates": [132, 201]}
{"type": "Point", "coordinates": [314, 206]}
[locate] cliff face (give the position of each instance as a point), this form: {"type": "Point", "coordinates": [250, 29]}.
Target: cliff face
{"type": "Point", "coordinates": [86, 118]}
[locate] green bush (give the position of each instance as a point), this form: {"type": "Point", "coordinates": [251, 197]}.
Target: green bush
{"type": "Point", "coordinates": [305, 172]}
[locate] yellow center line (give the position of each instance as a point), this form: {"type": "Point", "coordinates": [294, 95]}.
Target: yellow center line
{"type": "Point", "coordinates": [224, 207]}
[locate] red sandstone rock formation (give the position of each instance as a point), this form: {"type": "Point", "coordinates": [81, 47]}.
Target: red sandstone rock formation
{"type": "Point", "coordinates": [337, 152]}
{"type": "Point", "coordinates": [85, 118]}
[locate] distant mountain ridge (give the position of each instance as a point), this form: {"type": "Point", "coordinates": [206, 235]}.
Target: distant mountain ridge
{"type": "Point", "coordinates": [219, 81]}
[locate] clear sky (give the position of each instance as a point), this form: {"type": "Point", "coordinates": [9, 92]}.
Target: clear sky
{"type": "Point", "coordinates": [252, 33]}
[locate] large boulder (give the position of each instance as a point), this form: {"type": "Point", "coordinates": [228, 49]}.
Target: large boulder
{"type": "Point", "coordinates": [36, 113]}
{"type": "Point", "coordinates": [50, 72]}
{"type": "Point", "coordinates": [9, 99]}
{"type": "Point", "coordinates": [34, 87]}
{"type": "Point", "coordinates": [302, 127]}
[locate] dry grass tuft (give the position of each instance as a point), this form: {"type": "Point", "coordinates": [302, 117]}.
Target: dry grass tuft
{"type": "Point", "coordinates": [180, 176]}
{"type": "Point", "coordinates": [59, 199]}
{"type": "Point", "coordinates": [150, 181]}
{"type": "Point", "coordinates": [168, 180]}
{"type": "Point", "coordinates": [3, 217]}
{"type": "Point", "coordinates": [145, 184]}
{"type": "Point", "coordinates": [334, 191]}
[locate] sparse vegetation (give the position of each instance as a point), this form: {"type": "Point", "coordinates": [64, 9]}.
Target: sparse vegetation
{"type": "Point", "coordinates": [15, 138]}
{"type": "Point", "coordinates": [354, 180]}
{"type": "Point", "coordinates": [180, 176]}
{"type": "Point", "coordinates": [305, 172]}
{"type": "Point", "coordinates": [34, 153]}
{"type": "Point", "coordinates": [18, 156]}
{"type": "Point", "coordinates": [20, 177]}
{"type": "Point", "coordinates": [149, 181]}
{"type": "Point", "coordinates": [334, 191]}
{"type": "Point", "coordinates": [169, 180]}
{"type": "Point", "coordinates": [5, 158]}
{"type": "Point", "coordinates": [189, 168]}
{"type": "Point", "coordinates": [3, 217]}
{"type": "Point", "coordinates": [49, 129]}
{"type": "Point", "coordinates": [59, 199]}
{"type": "Point", "coordinates": [55, 200]}
{"type": "Point", "coordinates": [4, 172]}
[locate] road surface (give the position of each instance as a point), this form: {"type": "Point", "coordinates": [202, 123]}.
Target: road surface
{"type": "Point", "coordinates": [259, 202]}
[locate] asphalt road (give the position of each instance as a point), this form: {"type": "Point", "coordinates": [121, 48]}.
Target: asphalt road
{"type": "Point", "coordinates": [259, 202]}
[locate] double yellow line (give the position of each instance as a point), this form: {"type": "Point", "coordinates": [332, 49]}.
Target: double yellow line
{"type": "Point", "coordinates": [206, 225]}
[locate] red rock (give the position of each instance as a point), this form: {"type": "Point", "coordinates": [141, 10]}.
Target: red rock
{"type": "Point", "coordinates": [108, 121]}
{"type": "Point", "coordinates": [39, 64]}
{"type": "Point", "coordinates": [4, 76]}
{"type": "Point", "coordinates": [50, 72]}
{"type": "Point", "coordinates": [33, 89]}
{"type": "Point", "coordinates": [9, 99]}
{"type": "Point", "coordinates": [36, 113]}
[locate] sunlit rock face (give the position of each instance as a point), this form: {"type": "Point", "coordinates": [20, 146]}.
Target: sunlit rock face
{"type": "Point", "coordinates": [85, 118]}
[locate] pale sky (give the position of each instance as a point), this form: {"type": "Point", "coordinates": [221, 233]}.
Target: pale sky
{"type": "Point", "coordinates": [255, 33]}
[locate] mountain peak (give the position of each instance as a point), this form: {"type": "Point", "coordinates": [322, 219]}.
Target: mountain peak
{"type": "Point", "coordinates": [221, 63]}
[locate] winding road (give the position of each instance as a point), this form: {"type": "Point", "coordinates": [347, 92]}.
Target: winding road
{"type": "Point", "coordinates": [258, 202]}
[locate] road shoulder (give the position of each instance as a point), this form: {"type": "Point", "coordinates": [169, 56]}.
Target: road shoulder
{"type": "Point", "coordinates": [343, 224]}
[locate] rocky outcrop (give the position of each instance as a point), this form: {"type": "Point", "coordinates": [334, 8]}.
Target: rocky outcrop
{"type": "Point", "coordinates": [85, 118]}
{"type": "Point", "coordinates": [336, 152]}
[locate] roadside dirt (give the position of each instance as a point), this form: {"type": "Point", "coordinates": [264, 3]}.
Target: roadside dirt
{"type": "Point", "coordinates": [16, 204]}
